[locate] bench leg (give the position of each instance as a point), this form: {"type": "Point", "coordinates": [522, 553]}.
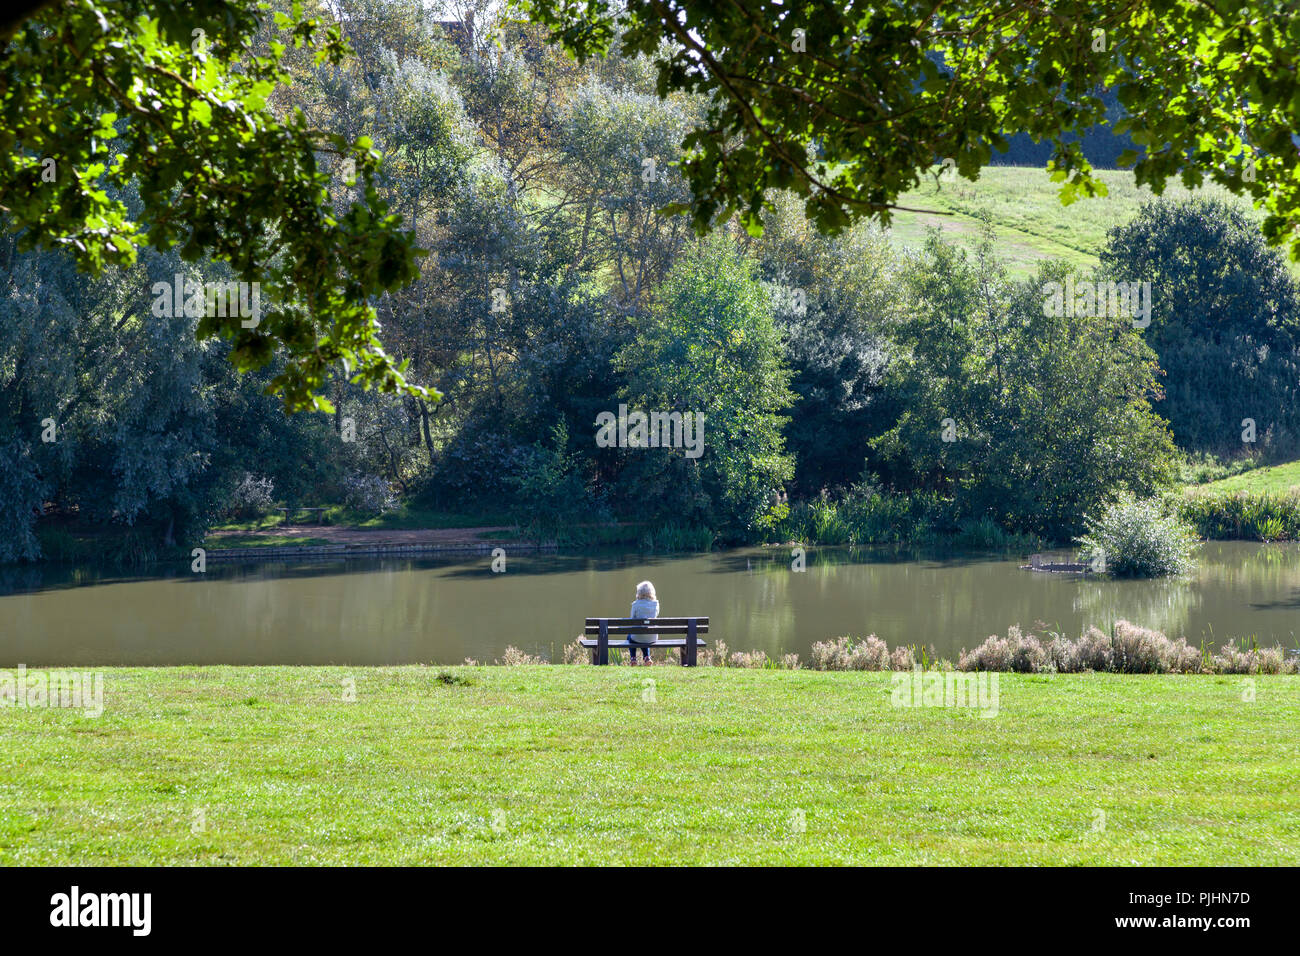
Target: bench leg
{"type": "Point", "coordinates": [688, 652]}
{"type": "Point", "coordinates": [602, 647]}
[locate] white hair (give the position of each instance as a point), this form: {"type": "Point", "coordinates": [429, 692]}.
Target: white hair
{"type": "Point", "coordinates": [645, 590]}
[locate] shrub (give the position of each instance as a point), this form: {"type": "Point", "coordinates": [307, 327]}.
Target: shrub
{"type": "Point", "coordinates": [134, 548]}
{"type": "Point", "coordinates": [368, 493]}
{"type": "Point", "coordinates": [548, 492]}
{"type": "Point", "coordinates": [984, 533]}
{"type": "Point", "coordinates": [1257, 660]}
{"type": "Point", "coordinates": [253, 496]}
{"type": "Point", "coordinates": [902, 659]}
{"type": "Point", "coordinates": [514, 657]}
{"type": "Point", "coordinates": [1137, 539]}
{"type": "Point", "coordinates": [1140, 650]}
{"type": "Point", "coordinates": [842, 654]}
{"type": "Point", "coordinates": [1018, 652]}
{"type": "Point", "coordinates": [575, 653]}
{"type": "Point", "coordinates": [756, 660]}
{"type": "Point", "coordinates": [1091, 652]}
{"type": "Point", "coordinates": [1130, 650]}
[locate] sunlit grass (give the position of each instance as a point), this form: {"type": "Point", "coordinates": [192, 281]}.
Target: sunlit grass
{"type": "Point", "coordinates": [266, 541]}
{"type": "Point", "coordinates": [665, 765]}
{"type": "Point", "coordinates": [1278, 479]}
{"type": "Point", "coordinates": [404, 517]}
{"type": "Point", "coordinates": [1030, 222]}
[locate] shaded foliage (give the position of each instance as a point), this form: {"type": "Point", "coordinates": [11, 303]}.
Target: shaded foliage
{"type": "Point", "coordinates": [1225, 323]}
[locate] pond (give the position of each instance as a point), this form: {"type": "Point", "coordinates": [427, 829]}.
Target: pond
{"type": "Point", "coordinates": [386, 611]}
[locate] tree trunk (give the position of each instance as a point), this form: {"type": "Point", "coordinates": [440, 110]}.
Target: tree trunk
{"type": "Point", "coordinates": [424, 421]}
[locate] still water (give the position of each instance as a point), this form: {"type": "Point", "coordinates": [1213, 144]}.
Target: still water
{"type": "Point", "coordinates": [387, 611]}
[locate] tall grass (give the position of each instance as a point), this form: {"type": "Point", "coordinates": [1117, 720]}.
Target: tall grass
{"type": "Point", "coordinates": [1128, 649]}
{"type": "Point", "coordinates": [60, 545]}
{"type": "Point", "coordinates": [868, 516]}
{"type": "Point", "coordinates": [676, 538]}
{"type": "Point", "coordinates": [118, 547]}
{"type": "Point", "coordinates": [661, 539]}
{"type": "Point", "coordinates": [1243, 515]}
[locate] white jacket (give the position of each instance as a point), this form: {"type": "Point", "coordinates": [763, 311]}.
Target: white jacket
{"type": "Point", "coordinates": [643, 609]}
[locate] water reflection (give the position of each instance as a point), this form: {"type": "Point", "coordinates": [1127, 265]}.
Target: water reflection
{"type": "Point", "coordinates": [382, 611]}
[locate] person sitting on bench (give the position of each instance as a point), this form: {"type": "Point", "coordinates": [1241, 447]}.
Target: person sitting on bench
{"type": "Point", "coordinates": [646, 605]}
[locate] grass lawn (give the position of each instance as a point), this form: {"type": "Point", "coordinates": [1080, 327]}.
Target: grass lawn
{"type": "Point", "coordinates": [555, 764]}
{"type": "Point", "coordinates": [1030, 222]}
{"type": "Point", "coordinates": [268, 541]}
{"type": "Point", "coordinates": [402, 518]}
{"type": "Point", "coordinates": [1278, 480]}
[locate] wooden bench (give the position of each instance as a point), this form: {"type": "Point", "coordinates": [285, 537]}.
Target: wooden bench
{"type": "Point", "coordinates": [290, 512]}
{"type": "Point", "coordinates": [598, 639]}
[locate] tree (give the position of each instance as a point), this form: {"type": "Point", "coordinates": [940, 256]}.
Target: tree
{"type": "Point", "coordinates": [618, 150]}
{"type": "Point", "coordinates": [1225, 323]}
{"type": "Point", "coordinates": [1024, 414]}
{"type": "Point", "coordinates": [516, 97]}
{"type": "Point", "coordinates": [113, 414]}
{"type": "Point", "coordinates": [710, 346]}
{"type": "Point", "coordinates": [834, 299]}
{"type": "Point", "coordinates": [847, 103]}
{"type": "Point", "coordinates": [172, 97]}
{"type": "Point", "coordinates": [426, 135]}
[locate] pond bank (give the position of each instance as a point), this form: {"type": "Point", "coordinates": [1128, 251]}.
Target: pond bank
{"type": "Point", "coordinates": [314, 540]}
{"type": "Point", "coordinates": [270, 553]}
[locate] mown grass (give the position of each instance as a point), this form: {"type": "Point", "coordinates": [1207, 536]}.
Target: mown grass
{"type": "Point", "coordinates": [1030, 222]}
{"type": "Point", "coordinates": [230, 541]}
{"type": "Point", "coordinates": [407, 517]}
{"type": "Point", "coordinates": [575, 765]}
{"type": "Point", "coordinates": [1276, 479]}
{"type": "Point", "coordinates": [404, 517]}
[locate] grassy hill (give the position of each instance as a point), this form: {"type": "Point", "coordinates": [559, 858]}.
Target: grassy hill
{"type": "Point", "coordinates": [1031, 223]}
{"type": "Point", "coordinates": [1278, 479]}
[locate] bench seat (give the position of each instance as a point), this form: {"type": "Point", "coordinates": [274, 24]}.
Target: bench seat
{"type": "Point", "coordinates": [666, 642]}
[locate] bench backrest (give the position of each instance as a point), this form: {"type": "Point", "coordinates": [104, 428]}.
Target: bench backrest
{"type": "Point", "coordinates": [654, 625]}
